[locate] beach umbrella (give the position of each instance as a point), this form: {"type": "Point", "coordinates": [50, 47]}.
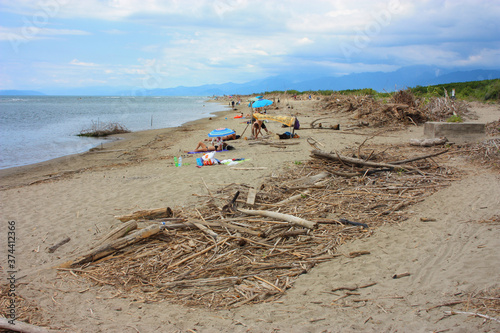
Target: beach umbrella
{"type": "Point", "coordinates": [261, 103]}
{"type": "Point", "coordinates": [286, 120]}
{"type": "Point", "coordinates": [220, 132]}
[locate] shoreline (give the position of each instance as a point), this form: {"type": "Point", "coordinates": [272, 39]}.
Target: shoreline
{"type": "Point", "coordinates": [105, 141]}
{"type": "Point", "coordinates": [118, 141]}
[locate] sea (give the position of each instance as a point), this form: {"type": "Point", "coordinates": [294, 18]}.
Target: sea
{"type": "Point", "coordinates": [39, 128]}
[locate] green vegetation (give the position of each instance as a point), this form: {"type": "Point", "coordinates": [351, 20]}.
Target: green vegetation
{"type": "Point", "coordinates": [455, 119]}
{"type": "Point", "coordinates": [485, 90]}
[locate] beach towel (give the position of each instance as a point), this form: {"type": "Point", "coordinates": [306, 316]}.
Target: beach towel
{"type": "Point", "coordinates": [197, 152]}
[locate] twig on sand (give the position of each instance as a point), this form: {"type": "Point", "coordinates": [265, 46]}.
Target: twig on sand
{"type": "Point", "coordinates": [475, 314]}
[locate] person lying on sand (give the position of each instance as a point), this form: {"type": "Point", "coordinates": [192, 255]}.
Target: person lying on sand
{"type": "Point", "coordinates": [226, 138]}
{"type": "Point", "coordinates": [203, 147]}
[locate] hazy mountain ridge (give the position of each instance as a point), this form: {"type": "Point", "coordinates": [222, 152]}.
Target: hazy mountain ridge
{"type": "Point", "coordinates": [402, 78]}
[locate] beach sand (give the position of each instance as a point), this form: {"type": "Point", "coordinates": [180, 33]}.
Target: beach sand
{"type": "Point", "coordinates": [79, 196]}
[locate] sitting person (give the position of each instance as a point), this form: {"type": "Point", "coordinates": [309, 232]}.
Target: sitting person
{"type": "Point", "coordinates": [203, 147]}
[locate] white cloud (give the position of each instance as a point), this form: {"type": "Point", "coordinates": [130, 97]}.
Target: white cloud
{"type": "Point", "coordinates": [304, 41]}
{"type": "Point", "coordinates": [195, 42]}
{"type": "Point", "coordinates": [34, 32]}
{"type": "Point", "coordinates": [76, 62]}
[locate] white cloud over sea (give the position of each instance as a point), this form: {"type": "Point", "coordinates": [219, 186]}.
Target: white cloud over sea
{"type": "Point", "coordinates": [53, 43]}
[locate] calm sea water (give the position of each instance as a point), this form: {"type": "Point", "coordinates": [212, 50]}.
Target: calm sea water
{"type": "Point", "coordinates": [38, 128]}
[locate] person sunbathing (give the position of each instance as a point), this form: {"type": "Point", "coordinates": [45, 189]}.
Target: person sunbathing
{"type": "Point", "coordinates": [203, 147]}
{"type": "Point", "coordinates": [226, 138]}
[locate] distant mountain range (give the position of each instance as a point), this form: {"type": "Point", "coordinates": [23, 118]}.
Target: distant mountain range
{"type": "Point", "coordinates": [402, 78]}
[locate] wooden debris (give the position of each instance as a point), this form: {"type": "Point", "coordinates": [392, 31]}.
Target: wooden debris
{"type": "Point", "coordinates": [54, 247]}
{"type": "Point", "coordinates": [475, 314]}
{"type": "Point", "coordinates": [354, 287]}
{"type": "Point", "coordinates": [149, 214]}
{"type": "Point", "coordinates": [280, 216]}
{"type": "Point", "coordinates": [252, 193]}
{"type": "Point", "coordinates": [117, 232]}
{"type": "Point", "coordinates": [111, 247]}
{"type": "Point", "coordinates": [357, 161]}
{"type": "Point", "coordinates": [428, 142]}
{"type": "Point", "coordinates": [398, 276]}
{"type": "Point", "coordinates": [184, 266]}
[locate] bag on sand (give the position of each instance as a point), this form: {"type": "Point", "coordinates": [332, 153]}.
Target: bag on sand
{"type": "Point", "coordinates": [297, 124]}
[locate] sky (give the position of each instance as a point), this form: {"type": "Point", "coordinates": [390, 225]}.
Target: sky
{"type": "Point", "coordinates": [149, 44]}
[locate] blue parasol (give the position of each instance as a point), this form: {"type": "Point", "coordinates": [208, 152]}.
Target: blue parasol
{"type": "Point", "coordinates": [261, 103]}
{"type": "Point", "coordinates": [220, 132]}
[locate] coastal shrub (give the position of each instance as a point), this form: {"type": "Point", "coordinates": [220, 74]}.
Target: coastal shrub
{"type": "Point", "coordinates": [493, 91]}
{"type": "Point", "coordinates": [455, 119]}
{"type": "Point", "coordinates": [103, 129]}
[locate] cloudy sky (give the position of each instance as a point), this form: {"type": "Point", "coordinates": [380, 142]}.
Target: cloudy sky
{"type": "Point", "coordinates": [160, 44]}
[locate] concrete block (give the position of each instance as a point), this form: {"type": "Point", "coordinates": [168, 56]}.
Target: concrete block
{"type": "Point", "coordinates": [456, 132]}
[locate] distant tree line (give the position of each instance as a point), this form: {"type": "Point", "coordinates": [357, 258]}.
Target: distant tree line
{"type": "Point", "coordinates": [485, 90]}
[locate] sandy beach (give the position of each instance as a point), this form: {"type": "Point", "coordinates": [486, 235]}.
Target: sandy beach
{"type": "Point", "coordinates": [449, 258]}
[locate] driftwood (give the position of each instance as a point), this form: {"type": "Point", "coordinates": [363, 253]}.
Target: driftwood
{"type": "Point", "coordinates": [252, 193]}
{"type": "Point", "coordinates": [428, 142]}
{"type": "Point", "coordinates": [351, 160]}
{"type": "Point", "coordinates": [109, 248]}
{"type": "Point", "coordinates": [217, 223]}
{"type": "Point", "coordinates": [117, 232]}
{"type": "Point", "coordinates": [203, 227]}
{"type": "Point", "coordinates": [475, 314]}
{"type": "Point", "coordinates": [309, 180]}
{"type": "Point", "coordinates": [313, 123]}
{"type": "Point", "coordinates": [221, 273]}
{"type": "Point", "coordinates": [149, 214]}
{"type": "Point", "coordinates": [280, 216]}
{"type": "Point", "coordinates": [293, 198]}
{"type": "Point", "coordinates": [20, 326]}
{"type": "Point", "coordinates": [54, 247]}
{"type": "Point", "coordinates": [419, 157]}
{"type": "Point", "coordinates": [364, 225]}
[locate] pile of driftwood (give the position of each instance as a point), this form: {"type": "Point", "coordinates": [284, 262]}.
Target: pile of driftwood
{"type": "Point", "coordinates": [486, 153]}
{"type": "Point", "coordinates": [441, 108]}
{"type": "Point", "coordinates": [493, 128]}
{"type": "Point", "coordinates": [483, 304]}
{"type": "Point", "coordinates": [244, 245]}
{"type": "Point", "coordinates": [403, 109]}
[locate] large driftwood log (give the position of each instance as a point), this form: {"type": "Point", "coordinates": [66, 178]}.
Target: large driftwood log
{"type": "Point", "coordinates": [149, 214]}
{"type": "Point", "coordinates": [109, 248]}
{"type": "Point", "coordinates": [351, 160]}
{"type": "Point", "coordinates": [428, 142]}
{"type": "Point", "coordinates": [20, 326]}
{"type": "Point", "coordinates": [280, 216]}
{"type": "Point", "coordinates": [117, 232]}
